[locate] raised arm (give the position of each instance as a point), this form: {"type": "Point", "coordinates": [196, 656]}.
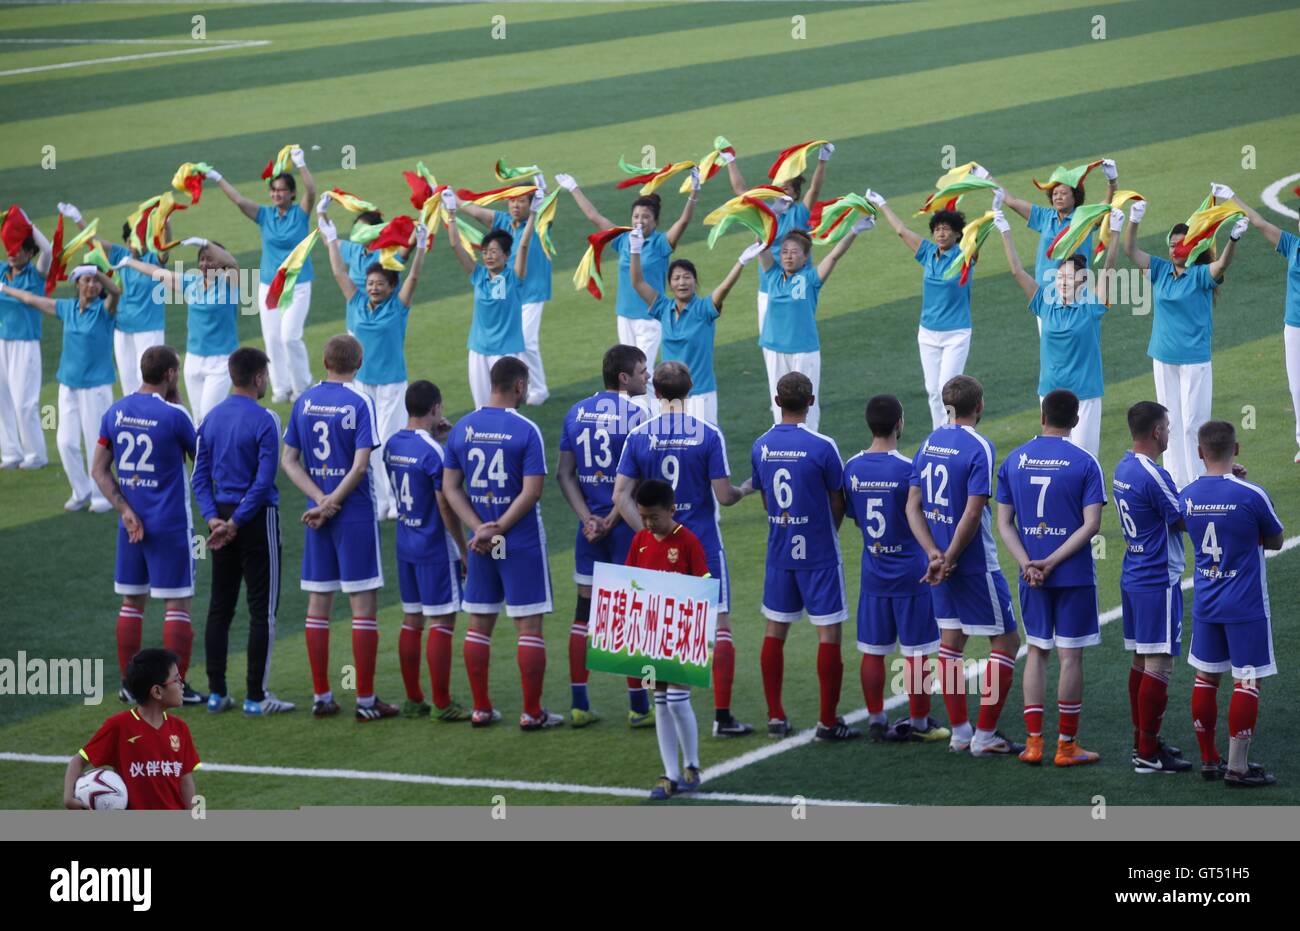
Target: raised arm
{"type": "Point", "coordinates": [45, 254]}
{"type": "Point", "coordinates": [338, 267]}
{"type": "Point", "coordinates": [819, 175]}
{"type": "Point", "coordinates": [570, 184]}
{"type": "Point", "coordinates": [1220, 265]}
{"type": "Point", "coordinates": [724, 287]}
{"type": "Point", "coordinates": [910, 239]}
{"type": "Point", "coordinates": [458, 249]}
{"type": "Point", "coordinates": [643, 288]}
{"type": "Point", "coordinates": [1023, 278]}
{"type": "Point", "coordinates": [308, 182]}
{"type": "Point", "coordinates": [526, 240]}
{"type": "Point", "coordinates": [414, 264]}
{"type": "Point", "coordinates": [737, 180]}
{"type": "Point", "coordinates": [1135, 255]}
{"type": "Point", "coordinates": [112, 291]}
{"type": "Point", "coordinates": [678, 229]}
{"type": "Point", "coordinates": [1224, 193]}
{"type": "Point", "coordinates": [1112, 252]}
{"type": "Point", "coordinates": [246, 206]}
{"type": "Point", "coordinates": [1018, 204]}
{"type": "Point", "coordinates": [827, 265]}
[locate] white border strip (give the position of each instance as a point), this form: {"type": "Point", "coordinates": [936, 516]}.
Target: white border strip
{"type": "Point", "coordinates": [1270, 197]}
{"type": "Point", "coordinates": [213, 47]}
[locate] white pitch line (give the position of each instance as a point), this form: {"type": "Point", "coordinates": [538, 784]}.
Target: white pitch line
{"type": "Point", "coordinates": [250, 43]}
{"type": "Point", "coordinates": [1270, 197]}
{"type": "Point", "coordinates": [59, 41]}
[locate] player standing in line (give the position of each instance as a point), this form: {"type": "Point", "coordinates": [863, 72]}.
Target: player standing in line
{"type": "Point", "coordinates": [534, 287]}
{"type": "Point", "coordinates": [327, 446]}
{"type": "Point", "coordinates": [667, 546]}
{"type": "Point", "coordinates": [85, 373]}
{"type": "Point", "coordinates": [799, 475]}
{"type": "Point", "coordinates": [895, 607]}
{"type": "Point", "coordinates": [591, 443]}
{"type": "Point", "coordinates": [22, 442]}
{"type": "Point", "coordinates": [1182, 331]}
{"type": "Point", "coordinates": [492, 478]}
{"type": "Point", "coordinates": [284, 224]}
{"type": "Point", "coordinates": [635, 325]}
{"type": "Point", "coordinates": [148, 438]}
{"type": "Point", "coordinates": [1050, 496]}
{"type": "Point", "coordinates": [234, 483]}
{"type": "Point", "coordinates": [1231, 522]}
{"type": "Point", "coordinates": [151, 750]}
{"type": "Point", "coordinates": [691, 456]}
{"type": "Point", "coordinates": [1152, 602]}
{"type": "Point", "coordinates": [948, 511]}
{"type": "Point", "coordinates": [431, 552]}
{"type": "Point", "coordinates": [943, 334]}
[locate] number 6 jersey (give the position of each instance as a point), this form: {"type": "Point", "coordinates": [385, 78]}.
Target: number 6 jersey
{"type": "Point", "coordinates": [797, 469]}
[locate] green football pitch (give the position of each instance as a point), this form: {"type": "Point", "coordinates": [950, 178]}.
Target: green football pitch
{"type": "Point", "coordinates": [103, 102]}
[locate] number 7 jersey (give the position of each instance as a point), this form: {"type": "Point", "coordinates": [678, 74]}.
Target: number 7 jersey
{"type": "Point", "coordinates": [495, 449]}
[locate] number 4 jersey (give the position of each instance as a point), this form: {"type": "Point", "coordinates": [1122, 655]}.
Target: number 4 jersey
{"type": "Point", "coordinates": [1228, 519]}
{"type": "Point", "coordinates": [496, 449]}
{"type": "Point", "coordinates": [797, 469]}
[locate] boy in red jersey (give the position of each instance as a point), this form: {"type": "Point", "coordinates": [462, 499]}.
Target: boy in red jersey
{"type": "Point", "coordinates": [150, 749]}
{"type": "Point", "coordinates": [667, 546]}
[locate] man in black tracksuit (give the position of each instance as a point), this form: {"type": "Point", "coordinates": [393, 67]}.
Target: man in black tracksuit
{"type": "Point", "coordinates": [234, 482]}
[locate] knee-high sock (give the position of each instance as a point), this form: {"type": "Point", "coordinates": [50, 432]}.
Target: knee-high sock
{"type": "Point", "coordinates": [666, 731]}
{"type": "Point", "coordinates": [1002, 672]}
{"type": "Point", "coordinates": [772, 663]}
{"type": "Point", "coordinates": [1152, 699]}
{"type": "Point", "coordinates": [318, 653]}
{"type": "Point", "coordinates": [438, 655]}
{"type": "Point", "coordinates": [830, 676]}
{"type": "Point", "coordinates": [578, 664]}
{"type": "Point", "coordinates": [130, 634]}
{"type": "Point", "coordinates": [1034, 720]}
{"type": "Point", "coordinates": [1068, 720]}
{"type": "Point", "coordinates": [724, 671]}
{"type": "Point", "coordinates": [1205, 717]}
{"type": "Point", "coordinates": [178, 636]}
{"type": "Point", "coordinates": [918, 698]}
{"type": "Point", "coordinates": [408, 657]}
{"type": "Point", "coordinates": [1243, 711]}
{"type": "Point", "coordinates": [952, 677]}
{"type": "Point", "coordinates": [688, 730]}
{"type": "Point", "coordinates": [873, 682]}
{"type": "Point", "coordinates": [365, 650]}
{"type": "Point", "coordinates": [1135, 675]}
{"type": "Point", "coordinates": [531, 654]}
{"type": "Point", "coordinates": [478, 655]}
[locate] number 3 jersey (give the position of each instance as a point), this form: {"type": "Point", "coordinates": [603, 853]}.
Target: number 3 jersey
{"type": "Point", "coordinates": [875, 491]}
{"type": "Point", "coordinates": [952, 464]}
{"type": "Point", "coordinates": [329, 423]}
{"type": "Point", "coordinates": [495, 449]}
{"type": "Point", "coordinates": [595, 430]}
{"type": "Point", "coordinates": [1227, 519]}
{"type": "Point", "coordinates": [150, 439]}
{"type": "Point", "coordinates": [797, 469]}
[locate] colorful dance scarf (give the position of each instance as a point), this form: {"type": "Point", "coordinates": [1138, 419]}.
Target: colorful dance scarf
{"type": "Point", "coordinates": [1119, 201]}
{"type": "Point", "coordinates": [350, 202]}
{"type": "Point", "coordinates": [189, 179]}
{"type": "Point", "coordinates": [588, 273]}
{"type": "Point", "coordinates": [158, 218]}
{"type": "Point", "coordinates": [1083, 221]}
{"type": "Point", "coordinates": [286, 276]}
{"type": "Point", "coordinates": [973, 235]}
{"type": "Point", "coordinates": [392, 236]}
{"type": "Point", "coordinates": [138, 222]}
{"type": "Point", "coordinates": [957, 174]}
{"type": "Point", "coordinates": [487, 198]}
{"type": "Point", "coordinates": [67, 255]}
{"type": "Point", "coordinates": [542, 224]}
{"type": "Point", "coordinates": [652, 179]}
{"type": "Point", "coordinates": [1070, 177]}
{"type": "Point", "coordinates": [506, 173]}
{"type": "Point", "coordinates": [709, 165]}
{"type": "Point", "coordinates": [1203, 226]}
{"type": "Point", "coordinates": [423, 185]}
{"type": "Point", "coordinates": [14, 230]}
{"type": "Point", "coordinates": [791, 163]}
{"type": "Point", "coordinates": [831, 219]}
{"type": "Point", "coordinates": [949, 196]}
{"type": "Point", "coordinates": [282, 162]}
{"type": "Point", "coordinates": [750, 212]}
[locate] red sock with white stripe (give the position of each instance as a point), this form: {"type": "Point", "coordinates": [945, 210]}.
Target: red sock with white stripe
{"type": "Point", "coordinates": [318, 654]}
{"type": "Point", "coordinates": [531, 654]}
{"type": "Point", "coordinates": [724, 672]}
{"type": "Point", "coordinates": [830, 676]}
{"type": "Point", "coordinates": [1205, 717]}
{"type": "Point", "coordinates": [438, 654]}
{"type": "Point", "coordinates": [408, 657]}
{"type": "Point", "coordinates": [999, 675]}
{"type": "Point", "coordinates": [1068, 720]}
{"type": "Point", "coordinates": [365, 650]}
{"type": "Point", "coordinates": [130, 634]}
{"type": "Point", "coordinates": [952, 679]}
{"type": "Point", "coordinates": [772, 663]}
{"type": "Point", "coordinates": [478, 656]}
{"type": "Point", "coordinates": [1034, 720]}
{"type": "Point", "coordinates": [918, 698]}
{"type": "Point", "coordinates": [1243, 711]}
{"type": "Point", "coordinates": [1135, 674]}
{"type": "Point", "coordinates": [872, 674]}
{"type": "Point", "coordinates": [1152, 699]}
{"type": "Point", "coordinates": [178, 636]}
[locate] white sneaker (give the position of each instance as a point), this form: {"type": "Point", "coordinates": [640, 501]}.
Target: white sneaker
{"type": "Point", "coordinates": [31, 465]}
{"type": "Point", "coordinates": [281, 398]}
{"type": "Point", "coordinates": [100, 506]}
{"type": "Point", "coordinates": [14, 463]}
{"type": "Point", "coordinates": [76, 504]}
{"type": "Point", "coordinates": [268, 705]}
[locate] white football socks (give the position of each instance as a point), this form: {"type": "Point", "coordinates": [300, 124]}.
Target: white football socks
{"type": "Point", "coordinates": [688, 731]}
{"type": "Point", "coordinates": [666, 731]}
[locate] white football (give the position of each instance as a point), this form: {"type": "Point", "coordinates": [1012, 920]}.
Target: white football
{"type": "Point", "coordinates": [101, 790]}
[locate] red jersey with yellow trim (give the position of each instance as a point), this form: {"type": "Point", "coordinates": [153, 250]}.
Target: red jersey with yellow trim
{"type": "Point", "coordinates": [151, 760]}
{"type": "Point", "coordinates": [680, 551]}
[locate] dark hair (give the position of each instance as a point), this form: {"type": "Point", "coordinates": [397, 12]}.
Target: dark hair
{"type": "Point", "coordinates": [126, 232]}
{"type": "Point", "coordinates": [884, 411]}
{"type": "Point", "coordinates": [368, 218]}
{"type": "Point", "coordinates": [1143, 417]}
{"type": "Point", "coordinates": [506, 372]}
{"type": "Point", "coordinates": [1181, 229]}
{"type": "Point", "coordinates": [619, 360]}
{"type": "Point", "coordinates": [1078, 260]}
{"type": "Point", "coordinates": [377, 268]}
{"type": "Point", "coordinates": [1216, 439]}
{"type": "Point", "coordinates": [156, 362]}
{"type": "Point", "coordinates": [1060, 408]}
{"type": "Point", "coordinates": [1079, 193]}
{"type": "Point", "coordinates": [686, 264]}
{"type": "Point", "coordinates": [654, 493]}
{"type": "Point", "coordinates": [649, 200]}
{"type": "Point", "coordinates": [422, 397]}
{"type": "Point", "coordinates": [289, 183]}
{"type": "Point", "coordinates": [953, 219]}
{"type": "Point", "coordinates": [963, 394]}
{"type": "Point", "coordinates": [673, 380]}
{"type": "Point", "coordinates": [245, 363]}
{"type": "Point", "coordinates": [504, 239]}
{"type": "Point", "coordinates": [146, 669]}
{"type": "Point", "coordinates": [802, 238]}
{"type": "Point", "coordinates": [794, 392]}
{"type": "Point", "coordinates": [343, 354]}
{"type": "Point", "coordinates": [797, 183]}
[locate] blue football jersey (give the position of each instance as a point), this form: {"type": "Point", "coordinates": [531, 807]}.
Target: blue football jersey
{"type": "Point", "coordinates": [328, 424]}
{"type": "Point", "coordinates": [687, 454]}
{"type": "Point", "coordinates": [952, 464]}
{"type": "Point", "coordinates": [875, 491]}
{"type": "Point", "coordinates": [595, 430]}
{"type": "Point", "coordinates": [150, 440]}
{"type": "Point", "coordinates": [414, 462]}
{"type": "Point", "coordinates": [496, 448]}
{"type": "Point", "coordinates": [1149, 519]}
{"type": "Point", "coordinates": [1049, 481]}
{"type": "Point", "coordinates": [796, 468]}
{"type": "Point", "coordinates": [1227, 519]}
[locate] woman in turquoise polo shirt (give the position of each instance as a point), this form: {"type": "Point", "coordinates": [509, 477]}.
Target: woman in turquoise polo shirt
{"type": "Point", "coordinates": [22, 443]}
{"type": "Point", "coordinates": [85, 374]}
{"type": "Point", "coordinates": [284, 224]}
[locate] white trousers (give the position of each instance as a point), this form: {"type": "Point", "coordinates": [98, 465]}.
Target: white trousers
{"type": "Point", "coordinates": [782, 363]}
{"type": "Point", "coordinates": [128, 350]}
{"type": "Point", "coordinates": [480, 375]}
{"type": "Point", "coordinates": [390, 408]}
{"type": "Point", "coordinates": [207, 382]}
{"type": "Point", "coordinates": [538, 392]}
{"type": "Point", "coordinates": [1187, 391]}
{"type": "Point", "coordinates": [703, 406]}
{"type": "Point", "coordinates": [21, 439]}
{"type": "Point", "coordinates": [762, 310]}
{"type": "Point", "coordinates": [644, 335]}
{"type": "Point", "coordinates": [1291, 338]}
{"type": "Point", "coordinates": [1087, 433]}
{"type": "Point", "coordinates": [290, 369]}
{"type": "Point", "coordinates": [943, 356]}
{"type": "Point", "coordinates": [80, 412]}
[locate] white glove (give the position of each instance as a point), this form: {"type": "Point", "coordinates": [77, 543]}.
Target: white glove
{"type": "Point", "coordinates": [71, 212]}
{"type": "Point", "coordinates": [874, 199]}
{"type": "Point", "coordinates": [751, 252]}
{"type": "Point", "coordinates": [979, 171]}
{"type": "Point", "coordinates": [568, 182]}
{"type": "Point", "coordinates": [695, 180]}
{"type": "Point", "coordinates": [1109, 170]}
{"type": "Point", "coordinates": [298, 157]}
{"type": "Point", "coordinates": [1116, 219]}
{"type": "Point", "coordinates": [121, 263]}
{"type": "Point", "coordinates": [1137, 211]}
{"type": "Point", "coordinates": [825, 152]}
{"type": "Point", "coordinates": [2, 287]}
{"type": "Point", "coordinates": [1222, 192]}
{"type": "Point", "coordinates": [635, 239]}
{"type": "Point", "coordinates": [781, 204]}
{"type": "Point", "coordinates": [449, 200]}
{"type": "Point", "coordinates": [1238, 228]}
{"type": "Point", "coordinates": [421, 236]}
{"type": "Point", "coordinates": [213, 175]}
{"type": "Point", "coordinates": [538, 196]}
{"type": "Point", "coordinates": [194, 241]}
{"type": "Point", "coordinates": [1000, 222]}
{"type": "Point", "coordinates": [725, 158]}
{"type": "Point", "coordinates": [327, 228]}
{"type": "Point", "coordinates": [539, 181]}
{"type": "Point", "coordinates": [866, 223]}
{"type": "Point", "coordinates": [81, 271]}
{"type": "Point", "coordinates": [998, 196]}
{"type": "Point", "coordinates": [324, 203]}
